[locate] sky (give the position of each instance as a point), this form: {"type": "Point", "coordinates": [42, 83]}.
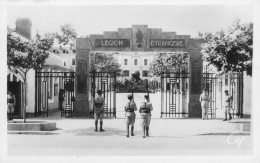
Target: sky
{"type": "Point", "coordinates": [183, 19]}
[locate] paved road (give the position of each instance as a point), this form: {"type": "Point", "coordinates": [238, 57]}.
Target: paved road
{"type": "Point", "coordinates": [76, 137]}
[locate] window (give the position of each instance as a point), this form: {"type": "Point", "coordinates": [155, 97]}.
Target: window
{"type": "Point", "coordinates": [73, 61]}
{"type": "Point", "coordinates": [135, 62]}
{"type": "Point", "coordinates": [125, 61]}
{"type": "Point", "coordinates": [145, 62]}
{"type": "Point", "coordinates": [126, 73]}
{"type": "Point", "coordinates": [145, 73]}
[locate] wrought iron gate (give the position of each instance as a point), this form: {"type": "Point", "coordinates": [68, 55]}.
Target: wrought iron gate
{"type": "Point", "coordinates": [106, 82]}
{"type": "Point", "coordinates": [174, 94]}
{"type": "Point", "coordinates": [47, 88]}
{"type": "Point", "coordinates": [217, 84]}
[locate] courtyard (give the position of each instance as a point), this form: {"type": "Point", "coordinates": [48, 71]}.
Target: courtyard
{"type": "Point", "coordinates": [172, 137]}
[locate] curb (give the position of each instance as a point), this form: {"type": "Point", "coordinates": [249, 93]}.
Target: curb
{"type": "Point", "coordinates": [33, 132]}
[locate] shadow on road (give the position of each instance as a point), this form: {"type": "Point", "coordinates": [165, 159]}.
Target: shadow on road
{"type": "Point", "coordinates": [108, 132]}
{"type": "Point", "coordinates": [168, 137]}
{"type": "Point", "coordinates": [113, 132]}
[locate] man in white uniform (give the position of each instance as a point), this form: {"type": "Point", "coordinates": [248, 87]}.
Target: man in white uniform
{"type": "Point", "coordinates": [204, 100]}
{"type": "Point", "coordinates": [228, 102]}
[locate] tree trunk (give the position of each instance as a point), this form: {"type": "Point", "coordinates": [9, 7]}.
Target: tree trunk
{"type": "Point", "coordinates": [25, 98]}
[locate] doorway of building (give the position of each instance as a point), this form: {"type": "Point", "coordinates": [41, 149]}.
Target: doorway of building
{"type": "Point", "coordinates": [15, 88]}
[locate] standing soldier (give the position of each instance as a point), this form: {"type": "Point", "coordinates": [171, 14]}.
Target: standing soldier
{"type": "Point", "coordinates": [11, 101]}
{"type": "Point", "coordinates": [130, 109]}
{"type": "Point", "coordinates": [98, 105]}
{"type": "Point", "coordinates": [145, 110]}
{"type": "Point", "coordinates": [228, 101]}
{"type": "Point", "coordinates": [204, 101]}
{"type": "Point", "coordinates": [61, 98]}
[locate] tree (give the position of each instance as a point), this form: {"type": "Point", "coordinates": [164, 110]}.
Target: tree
{"type": "Point", "coordinates": [67, 35]}
{"type": "Point", "coordinates": [231, 50]}
{"type": "Point", "coordinates": [168, 62]}
{"type": "Point", "coordinates": [104, 62]}
{"type": "Point", "coordinates": [23, 56]}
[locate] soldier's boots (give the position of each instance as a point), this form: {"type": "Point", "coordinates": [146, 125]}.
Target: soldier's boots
{"type": "Point", "coordinates": [144, 131]}
{"type": "Point", "coordinates": [230, 117]}
{"type": "Point", "coordinates": [10, 116]}
{"type": "Point", "coordinates": [147, 131]}
{"type": "Point", "coordinates": [96, 125]}
{"type": "Point", "coordinates": [127, 130]}
{"type": "Point", "coordinates": [132, 131]}
{"type": "Point", "coordinates": [225, 117]}
{"type": "Point", "coordinates": [101, 124]}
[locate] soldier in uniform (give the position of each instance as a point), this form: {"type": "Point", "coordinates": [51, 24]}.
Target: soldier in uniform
{"type": "Point", "coordinates": [98, 105]}
{"type": "Point", "coordinates": [228, 101]}
{"type": "Point", "coordinates": [204, 100]}
{"type": "Point", "coordinates": [11, 101]}
{"type": "Point", "coordinates": [145, 111]}
{"type": "Point", "coordinates": [130, 109]}
{"type": "Point", "coordinates": [61, 98]}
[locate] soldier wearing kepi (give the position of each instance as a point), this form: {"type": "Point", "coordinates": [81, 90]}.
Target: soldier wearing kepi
{"type": "Point", "coordinates": [98, 105]}
{"type": "Point", "coordinates": [145, 110]}
{"type": "Point", "coordinates": [130, 109]}
{"type": "Point", "coordinates": [228, 101]}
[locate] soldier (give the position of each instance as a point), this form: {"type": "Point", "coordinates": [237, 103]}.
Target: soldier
{"type": "Point", "coordinates": [130, 109]}
{"type": "Point", "coordinates": [98, 105]}
{"type": "Point", "coordinates": [61, 98]}
{"type": "Point", "coordinates": [204, 100]}
{"type": "Point", "coordinates": [11, 101]}
{"type": "Point", "coordinates": [145, 110]}
{"type": "Point", "coordinates": [228, 101]}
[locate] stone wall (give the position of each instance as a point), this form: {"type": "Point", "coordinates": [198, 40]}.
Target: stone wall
{"type": "Point", "coordinates": [82, 84]}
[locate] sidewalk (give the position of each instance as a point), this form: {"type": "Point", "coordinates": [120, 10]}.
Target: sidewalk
{"type": "Point", "coordinates": [167, 137]}
{"type": "Point", "coordinates": [76, 136]}
{"type": "Point", "coordinates": [169, 126]}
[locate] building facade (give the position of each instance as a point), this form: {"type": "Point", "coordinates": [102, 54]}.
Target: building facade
{"type": "Point", "coordinates": [132, 62]}
{"type": "Point", "coordinates": [54, 63]}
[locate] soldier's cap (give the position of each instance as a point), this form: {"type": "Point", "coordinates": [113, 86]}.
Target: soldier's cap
{"type": "Point", "coordinates": [130, 95]}
{"type": "Point", "coordinates": [226, 90]}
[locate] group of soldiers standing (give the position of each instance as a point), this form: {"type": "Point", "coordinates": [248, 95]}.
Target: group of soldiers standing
{"type": "Point", "coordinates": [130, 108]}
{"type": "Point", "coordinates": [146, 108]}
{"type": "Point", "coordinates": [205, 99]}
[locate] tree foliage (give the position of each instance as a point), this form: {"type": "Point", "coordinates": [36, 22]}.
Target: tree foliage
{"type": "Point", "coordinates": [67, 35]}
{"type": "Point", "coordinates": [25, 55]}
{"type": "Point", "coordinates": [232, 50]}
{"type": "Point", "coordinates": [104, 62]}
{"type": "Point", "coordinates": [168, 62]}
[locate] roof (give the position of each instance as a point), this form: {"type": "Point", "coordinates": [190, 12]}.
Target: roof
{"type": "Point", "coordinates": [54, 61]}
